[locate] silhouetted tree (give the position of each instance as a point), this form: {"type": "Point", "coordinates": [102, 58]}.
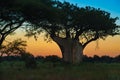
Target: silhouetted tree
{"type": "Point", "coordinates": [10, 19]}
{"type": "Point", "coordinates": [13, 48]}
{"type": "Point", "coordinates": [73, 28]}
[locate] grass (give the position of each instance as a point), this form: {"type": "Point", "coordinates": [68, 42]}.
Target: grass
{"type": "Point", "coordinates": [57, 71]}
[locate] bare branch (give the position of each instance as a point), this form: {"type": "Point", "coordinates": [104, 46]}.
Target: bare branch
{"type": "Point", "coordinates": [12, 29]}
{"type": "Point", "coordinates": [92, 39]}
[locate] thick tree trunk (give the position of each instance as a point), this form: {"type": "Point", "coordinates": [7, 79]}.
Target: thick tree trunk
{"type": "Point", "coordinates": [72, 50]}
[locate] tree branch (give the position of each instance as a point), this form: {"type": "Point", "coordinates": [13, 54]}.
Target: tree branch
{"type": "Point", "coordinates": [9, 24]}
{"type": "Point", "coordinates": [2, 38]}
{"type": "Point", "coordinates": [93, 39]}
{"type": "Point", "coordinates": [78, 33]}
{"type": "Point", "coordinates": [67, 33]}
{"type": "Point", "coordinates": [14, 28]}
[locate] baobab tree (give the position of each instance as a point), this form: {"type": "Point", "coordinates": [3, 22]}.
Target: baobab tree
{"type": "Point", "coordinates": [73, 28]}
{"type": "Point", "coordinates": [70, 26]}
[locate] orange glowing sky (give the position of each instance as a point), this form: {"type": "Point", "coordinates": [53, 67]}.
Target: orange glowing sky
{"type": "Point", "coordinates": [110, 46]}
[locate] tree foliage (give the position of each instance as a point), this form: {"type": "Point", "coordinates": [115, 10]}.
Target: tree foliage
{"type": "Point", "coordinates": [16, 47]}
{"type": "Point", "coordinates": [59, 21]}
{"type": "Point", "coordinates": [10, 19]}
{"type": "Point", "coordinates": [72, 27]}
{"type": "Point", "coordinates": [83, 24]}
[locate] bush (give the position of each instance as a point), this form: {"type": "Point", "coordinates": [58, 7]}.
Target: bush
{"type": "Point", "coordinates": [40, 58]}
{"type": "Point", "coordinates": [53, 58]}
{"type": "Point", "coordinates": [29, 60]}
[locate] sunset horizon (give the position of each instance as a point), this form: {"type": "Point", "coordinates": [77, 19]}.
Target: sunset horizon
{"type": "Point", "coordinates": [59, 40]}
{"type": "Point", "coordinates": [40, 47]}
{"type": "Point", "coordinates": [110, 46]}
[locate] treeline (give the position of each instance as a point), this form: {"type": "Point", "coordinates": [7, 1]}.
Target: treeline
{"type": "Point", "coordinates": [54, 58]}
{"type": "Point", "coordinates": [102, 59]}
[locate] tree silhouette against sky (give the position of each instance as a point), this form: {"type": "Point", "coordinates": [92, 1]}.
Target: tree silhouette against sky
{"type": "Point", "coordinates": [10, 19]}
{"type": "Point", "coordinates": [73, 28]}
{"type": "Point", "coordinates": [70, 26]}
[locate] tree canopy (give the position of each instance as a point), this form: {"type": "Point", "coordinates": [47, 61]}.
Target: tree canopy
{"type": "Point", "coordinates": [70, 26]}
{"type": "Point", "coordinates": [10, 19]}
{"type": "Point", "coordinates": [86, 24]}
{"type": "Point", "coordinates": [60, 19]}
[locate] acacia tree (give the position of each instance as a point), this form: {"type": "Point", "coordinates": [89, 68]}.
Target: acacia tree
{"type": "Point", "coordinates": [10, 19]}
{"type": "Point", "coordinates": [16, 47]}
{"type": "Point", "coordinates": [74, 27]}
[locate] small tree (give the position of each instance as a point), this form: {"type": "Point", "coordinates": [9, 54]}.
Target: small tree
{"type": "Point", "coordinates": [10, 19]}
{"type": "Point", "coordinates": [15, 47]}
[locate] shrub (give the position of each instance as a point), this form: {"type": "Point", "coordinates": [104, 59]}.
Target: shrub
{"type": "Point", "coordinates": [53, 58]}
{"type": "Point", "coordinates": [29, 60]}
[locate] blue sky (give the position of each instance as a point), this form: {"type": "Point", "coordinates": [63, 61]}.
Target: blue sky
{"type": "Point", "coordinates": [111, 6]}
